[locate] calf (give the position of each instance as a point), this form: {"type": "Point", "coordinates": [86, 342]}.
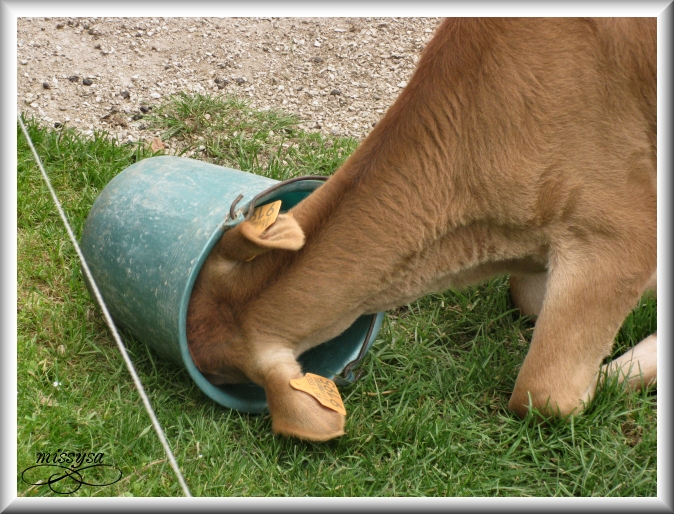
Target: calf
{"type": "Point", "coordinates": [520, 146]}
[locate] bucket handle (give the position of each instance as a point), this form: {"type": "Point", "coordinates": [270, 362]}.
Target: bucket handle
{"type": "Point", "coordinates": [346, 374]}
{"type": "Point", "coordinates": [232, 213]}
{"type": "Point", "coordinates": [251, 209]}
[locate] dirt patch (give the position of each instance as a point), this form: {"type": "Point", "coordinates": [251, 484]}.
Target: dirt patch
{"type": "Point", "coordinates": [338, 75]}
{"type": "Point", "coordinates": [633, 433]}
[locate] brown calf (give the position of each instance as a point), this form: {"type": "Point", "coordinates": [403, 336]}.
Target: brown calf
{"type": "Point", "coordinates": [521, 146]}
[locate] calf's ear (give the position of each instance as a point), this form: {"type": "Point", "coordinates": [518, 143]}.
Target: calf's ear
{"type": "Point", "coordinates": [245, 242]}
{"type": "Point", "coordinates": [297, 414]}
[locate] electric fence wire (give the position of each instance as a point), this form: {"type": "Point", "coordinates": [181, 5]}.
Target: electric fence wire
{"type": "Point", "coordinates": [108, 319]}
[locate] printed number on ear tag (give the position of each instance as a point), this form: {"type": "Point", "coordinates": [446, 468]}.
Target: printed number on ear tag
{"type": "Point", "coordinates": [265, 215]}
{"type": "Point", "coordinates": [321, 388]}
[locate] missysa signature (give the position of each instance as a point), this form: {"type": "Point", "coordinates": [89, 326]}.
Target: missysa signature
{"type": "Point", "coordinates": [64, 473]}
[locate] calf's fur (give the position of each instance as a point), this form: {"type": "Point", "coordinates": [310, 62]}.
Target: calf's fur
{"type": "Point", "coordinates": [520, 146]}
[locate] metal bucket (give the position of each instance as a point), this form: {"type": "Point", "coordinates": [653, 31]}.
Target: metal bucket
{"type": "Point", "coordinates": [146, 238]}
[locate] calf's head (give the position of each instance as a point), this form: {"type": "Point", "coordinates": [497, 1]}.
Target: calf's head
{"type": "Point", "coordinates": [230, 344]}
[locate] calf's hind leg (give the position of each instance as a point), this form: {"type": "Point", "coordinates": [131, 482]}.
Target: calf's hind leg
{"type": "Point", "coordinates": [528, 292]}
{"type": "Point", "coordinates": [637, 367]}
{"type": "Point", "coordinates": [590, 291]}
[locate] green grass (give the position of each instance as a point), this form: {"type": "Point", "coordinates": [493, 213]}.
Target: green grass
{"type": "Point", "coordinates": [428, 416]}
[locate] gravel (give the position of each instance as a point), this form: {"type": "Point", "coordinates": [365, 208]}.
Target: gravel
{"type": "Point", "coordinates": [338, 75]}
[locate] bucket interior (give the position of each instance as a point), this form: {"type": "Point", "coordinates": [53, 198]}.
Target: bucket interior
{"type": "Point", "coordinates": [327, 359]}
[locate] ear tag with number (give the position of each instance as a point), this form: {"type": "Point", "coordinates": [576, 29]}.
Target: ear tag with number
{"type": "Point", "coordinates": [321, 388]}
{"type": "Point", "coordinates": [265, 215]}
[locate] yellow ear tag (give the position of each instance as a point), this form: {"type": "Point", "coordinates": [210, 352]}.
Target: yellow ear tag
{"type": "Point", "coordinates": [321, 388]}
{"type": "Point", "coordinates": [265, 215]}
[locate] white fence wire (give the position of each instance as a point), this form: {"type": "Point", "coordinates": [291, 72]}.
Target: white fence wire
{"type": "Point", "coordinates": [108, 319]}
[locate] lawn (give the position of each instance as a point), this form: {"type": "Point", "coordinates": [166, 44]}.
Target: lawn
{"type": "Point", "coordinates": [428, 416]}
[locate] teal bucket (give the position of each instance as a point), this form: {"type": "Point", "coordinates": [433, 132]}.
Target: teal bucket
{"type": "Point", "coordinates": [148, 235]}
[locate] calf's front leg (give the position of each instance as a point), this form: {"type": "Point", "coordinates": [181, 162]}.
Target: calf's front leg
{"type": "Point", "coordinates": [590, 291]}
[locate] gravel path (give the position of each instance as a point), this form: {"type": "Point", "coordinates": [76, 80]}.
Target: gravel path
{"type": "Point", "coordinates": [339, 75]}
